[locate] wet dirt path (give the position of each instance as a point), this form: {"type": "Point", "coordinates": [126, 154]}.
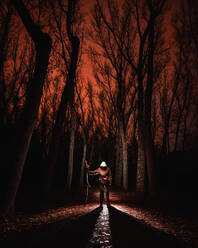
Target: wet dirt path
{"type": "Point", "coordinates": [101, 227]}
{"type": "Point", "coordinates": [101, 235]}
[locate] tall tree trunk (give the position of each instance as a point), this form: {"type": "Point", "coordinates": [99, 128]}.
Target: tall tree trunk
{"type": "Point", "coordinates": [3, 41]}
{"type": "Point", "coordinates": [43, 47]}
{"type": "Point", "coordinates": [67, 96]}
{"type": "Point", "coordinates": [124, 158]}
{"type": "Point", "coordinates": [118, 166]}
{"type": "Point", "coordinates": [71, 149]}
{"type": "Point", "coordinates": [166, 143]}
{"type": "Point", "coordinates": [83, 164]}
{"type": "Point", "coordinates": [140, 179]}
{"type": "Point", "coordinates": [164, 149]}
{"type": "Point", "coordinates": [149, 146]}
{"type": "Point", "coordinates": [181, 107]}
{"type": "Point", "coordinates": [150, 161]}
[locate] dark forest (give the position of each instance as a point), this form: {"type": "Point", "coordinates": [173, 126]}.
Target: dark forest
{"type": "Point", "coordinates": [86, 82]}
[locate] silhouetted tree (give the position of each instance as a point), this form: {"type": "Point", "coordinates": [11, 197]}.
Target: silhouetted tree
{"type": "Point", "coordinates": [42, 44]}
{"type": "Point", "coordinates": [185, 69]}
{"type": "Point", "coordinates": [113, 73]}
{"type": "Point", "coordinates": [5, 19]}
{"type": "Point", "coordinates": [67, 95]}
{"type": "Point", "coordinates": [146, 14]}
{"type": "Point", "coordinates": [85, 118]}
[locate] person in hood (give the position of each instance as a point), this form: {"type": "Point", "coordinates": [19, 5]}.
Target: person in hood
{"type": "Point", "coordinates": [105, 180]}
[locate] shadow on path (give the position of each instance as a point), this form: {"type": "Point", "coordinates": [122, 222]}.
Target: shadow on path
{"type": "Point", "coordinates": [125, 231]}
{"type": "Point", "coordinates": [59, 234]}
{"type": "Point", "coordinates": [130, 232]}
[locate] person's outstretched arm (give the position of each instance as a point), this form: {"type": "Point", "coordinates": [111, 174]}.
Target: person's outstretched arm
{"type": "Point", "coordinates": [90, 171]}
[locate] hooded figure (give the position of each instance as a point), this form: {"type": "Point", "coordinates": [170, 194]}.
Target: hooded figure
{"type": "Point", "coordinates": [105, 180]}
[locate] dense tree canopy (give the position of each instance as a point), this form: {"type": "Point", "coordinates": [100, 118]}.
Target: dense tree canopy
{"type": "Point", "coordinates": [111, 80]}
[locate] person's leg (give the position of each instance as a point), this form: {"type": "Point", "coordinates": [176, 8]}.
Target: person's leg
{"type": "Point", "coordinates": [101, 186]}
{"type": "Point", "coordinates": [107, 195]}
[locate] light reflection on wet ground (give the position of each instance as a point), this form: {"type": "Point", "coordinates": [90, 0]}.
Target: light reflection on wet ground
{"type": "Point", "coordinates": [101, 236]}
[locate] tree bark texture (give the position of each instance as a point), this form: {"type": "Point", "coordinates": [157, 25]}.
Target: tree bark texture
{"type": "Point", "coordinates": [124, 158]}
{"type": "Point", "coordinates": [43, 47]}
{"type": "Point", "coordinates": [118, 166]}
{"type": "Point", "coordinates": [83, 164]}
{"type": "Point", "coordinates": [140, 179]}
{"type": "Point", "coordinates": [149, 146]}
{"type": "Point", "coordinates": [71, 149]}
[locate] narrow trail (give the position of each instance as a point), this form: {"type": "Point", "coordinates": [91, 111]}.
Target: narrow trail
{"type": "Point", "coordinates": [101, 227]}
{"type": "Point", "coordinates": [80, 225]}
{"type": "Point", "coordinates": [101, 234]}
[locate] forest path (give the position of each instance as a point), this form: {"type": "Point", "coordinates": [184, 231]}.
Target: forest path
{"type": "Point", "coordinates": [126, 223]}
{"type": "Point", "coordinates": [99, 227]}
